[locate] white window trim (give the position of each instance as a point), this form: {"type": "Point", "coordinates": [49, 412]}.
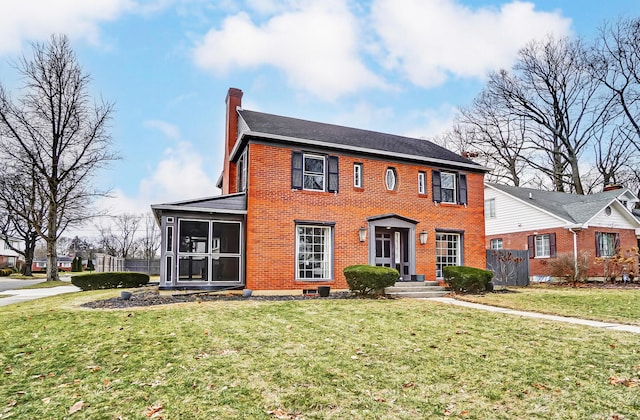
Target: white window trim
{"type": "Point", "coordinates": [422, 185]}
{"type": "Point", "coordinates": [538, 248]}
{"type": "Point", "coordinates": [306, 156]}
{"type": "Point", "coordinates": [602, 242]}
{"type": "Point", "coordinates": [357, 175]}
{"type": "Point", "coordinates": [497, 241]}
{"type": "Point", "coordinates": [458, 250]}
{"type": "Point", "coordinates": [454, 199]}
{"type": "Point", "coordinates": [390, 179]}
{"type": "Point", "coordinates": [327, 253]}
{"type": "Point", "coordinates": [490, 208]}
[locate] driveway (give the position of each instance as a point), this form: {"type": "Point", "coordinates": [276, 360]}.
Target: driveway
{"type": "Point", "coordinates": [10, 284]}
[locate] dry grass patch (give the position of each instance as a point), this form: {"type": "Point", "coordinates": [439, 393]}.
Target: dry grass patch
{"type": "Point", "coordinates": [607, 305]}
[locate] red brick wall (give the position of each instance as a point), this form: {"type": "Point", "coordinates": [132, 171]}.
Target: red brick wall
{"type": "Point", "coordinates": [586, 242]}
{"type": "Point", "coordinates": [273, 207]}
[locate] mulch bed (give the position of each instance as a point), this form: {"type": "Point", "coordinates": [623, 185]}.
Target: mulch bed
{"type": "Point", "coordinates": [150, 298]}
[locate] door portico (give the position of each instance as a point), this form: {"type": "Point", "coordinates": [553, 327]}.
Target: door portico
{"type": "Point", "coordinates": [392, 243]}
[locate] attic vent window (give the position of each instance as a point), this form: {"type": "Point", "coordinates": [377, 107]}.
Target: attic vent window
{"type": "Point", "coordinates": [607, 211]}
{"type": "Point", "coordinates": [390, 179]}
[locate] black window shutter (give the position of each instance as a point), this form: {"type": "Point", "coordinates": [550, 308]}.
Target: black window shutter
{"type": "Point", "coordinates": [462, 189]}
{"type": "Point", "coordinates": [333, 183]}
{"type": "Point", "coordinates": [598, 242]}
{"type": "Point", "coordinates": [531, 242]}
{"type": "Point", "coordinates": [552, 245]}
{"type": "Point", "coordinates": [435, 186]}
{"type": "Point", "coordinates": [296, 170]}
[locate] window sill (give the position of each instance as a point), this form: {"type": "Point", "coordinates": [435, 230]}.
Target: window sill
{"type": "Point", "coordinates": [315, 280]}
{"type": "Point", "coordinates": [313, 192]}
{"type": "Point", "coordinates": [358, 189]}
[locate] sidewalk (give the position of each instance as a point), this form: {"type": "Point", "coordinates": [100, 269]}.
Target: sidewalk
{"type": "Point", "coordinates": [609, 325]}
{"type": "Point", "coordinates": [23, 295]}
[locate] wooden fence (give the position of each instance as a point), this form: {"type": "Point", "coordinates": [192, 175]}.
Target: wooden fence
{"type": "Point", "coordinates": [510, 266]}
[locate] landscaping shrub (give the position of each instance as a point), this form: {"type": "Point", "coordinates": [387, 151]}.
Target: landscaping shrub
{"type": "Point", "coordinates": [370, 280]}
{"type": "Point", "coordinates": [467, 279]}
{"type": "Point", "coordinates": [5, 272]}
{"type": "Point", "coordinates": [94, 281]}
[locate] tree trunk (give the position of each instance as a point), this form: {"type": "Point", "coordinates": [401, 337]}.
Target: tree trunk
{"type": "Point", "coordinates": [52, 261]}
{"type": "Point", "coordinates": [29, 252]}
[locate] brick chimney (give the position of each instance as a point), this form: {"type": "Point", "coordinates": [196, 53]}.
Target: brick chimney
{"type": "Point", "coordinates": [233, 101]}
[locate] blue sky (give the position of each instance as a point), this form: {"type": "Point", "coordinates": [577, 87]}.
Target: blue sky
{"type": "Point", "coordinates": [398, 66]}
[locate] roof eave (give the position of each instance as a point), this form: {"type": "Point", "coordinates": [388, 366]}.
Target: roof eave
{"type": "Point", "coordinates": [567, 222]}
{"type": "Point", "coordinates": [171, 207]}
{"type": "Point", "coordinates": [294, 140]}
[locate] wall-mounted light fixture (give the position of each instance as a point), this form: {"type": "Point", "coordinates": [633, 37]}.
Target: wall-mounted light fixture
{"type": "Point", "coordinates": [362, 234]}
{"type": "Point", "coordinates": [424, 235]}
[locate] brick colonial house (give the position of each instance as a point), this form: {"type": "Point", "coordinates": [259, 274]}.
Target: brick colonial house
{"type": "Point", "coordinates": [549, 224]}
{"type": "Point", "coordinates": [302, 200]}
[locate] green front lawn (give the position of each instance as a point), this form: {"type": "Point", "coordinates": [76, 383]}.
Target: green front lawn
{"type": "Point", "coordinates": [308, 359]}
{"type": "Point", "coordinates": [609, 305]}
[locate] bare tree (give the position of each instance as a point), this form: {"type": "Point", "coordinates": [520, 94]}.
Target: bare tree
{"type": "Point", "coordinates": [149, 243]}
{"type": "Point", "coordinates": [56, 129]}
{"type": "Point", "coordinates": [552, 90]}
{"type": "Point", "coordinates": [21, 212]}
{"type": "Point", "coordinates": [501, 136]}
{"type": "Point", "coordinates": [615, 62]}
{"type": "Point", "coordinates": [120, 237]}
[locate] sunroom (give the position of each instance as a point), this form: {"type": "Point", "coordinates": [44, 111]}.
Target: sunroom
{"type": "Point", "coordinates": [203, 244]}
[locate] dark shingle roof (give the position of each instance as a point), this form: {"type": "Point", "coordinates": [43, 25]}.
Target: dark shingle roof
{"type": "Point", "coordinates": [572, 207]}
{"type": "Point", "coordinates": [356, 139]}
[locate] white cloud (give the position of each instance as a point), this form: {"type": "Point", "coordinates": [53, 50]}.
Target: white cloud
{"type": "Point", "coordinates": [168, 130]}
{"type": "Point", "coordinates": [433, 40]}
{"type": "Point", "coordinates": [429, 123]}
{"type": "Point", "coordinates": [36, 20]}
{"type": "Point", "coordinates": [179, 175]}
{"type": "Point", "coordinates": [315, 45]}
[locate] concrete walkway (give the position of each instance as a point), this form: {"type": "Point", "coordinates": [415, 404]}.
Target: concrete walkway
{"type": "Point", "coordinates": [608, 325]}
{"type": "Point", "coordinates": [23, 295]}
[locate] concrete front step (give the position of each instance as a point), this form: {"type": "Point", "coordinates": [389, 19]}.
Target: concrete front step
{"type": "Point", "coordinates": [420, 294]}
{"type": "Point", "coordinates": [416, 289]}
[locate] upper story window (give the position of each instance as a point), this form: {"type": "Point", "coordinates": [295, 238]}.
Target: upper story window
{"type": "Point", "coordinates": [357, 175]}
{"type": "Point", "coordinates": [607, 243]}
{"type": "Point", "coordinates": [422, 183]}
{"type": "Point", "coordinates": [242, 172]}
{"type": "Point", "coordinates": [449, 187]}
{"type": "Point", "coordinates": [314, 172]}
{"type": "Point", "coordinates": [490, 208]}
{"type": "Point", "coordinates": [542, 246]}
{"type": "Point", "coordinates": [390, 179]}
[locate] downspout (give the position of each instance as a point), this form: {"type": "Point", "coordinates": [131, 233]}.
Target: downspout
{"type": "Point", "coordinates": [575, 254]}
